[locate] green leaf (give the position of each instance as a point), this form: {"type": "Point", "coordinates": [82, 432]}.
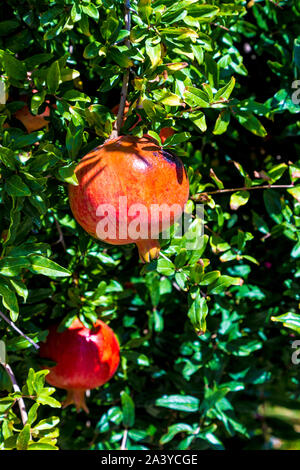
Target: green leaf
{"type": "Point", "coordinates": [47, 267]}
{"type": "Point", "coordinates": [128, 410]}
{"type": "Point", "coordinates": [195, 97]}
{"type": "Point", "coordinates": [251, 123]}
{"type": "Point", "coordinates": [176, 139]}
{"type": "Point", "coordinates": [74, 141]}
{"type": "Point", "coordinates": [15, 186]}
{"type": "Point", "coordinates": [41, 446]}
{"type": "Point", "coordinates": [9, 300]}
{"type": "Point", "coordinates": [37, 100]}
{"type": "Point", "coordinates": [296, 57]}
{"type": "Point", "coordinates": [222, 122]}
{"type": "Point", "coordinates": [145, 10]}
{"type": "Point", "coordinates": [153, 51]}
{"type": "Point", "coordinates": [46, 424]}
{"type": "Point", "coordinates": [90, 10]}
{"type": "Point", "coordinates": [225, 92]}
{"type": "Point", "coordinates": [165, 267]}
{"type": "Point", "coordinates": [221, 284]}
{"type": "Point", "coordinates": [53, 77]}
{"type": "Point", "coordinates": [197, 313]}
{"type": "Point", "coordinates": [14, 67]}
{"type": "Point", "coordinates": [210, 277]}
{"type": "Point", "coordinates": [66, 173]}
{"type": "Point", "coordinates": [276, 172]}
{"type": "Point", "coordinates": [238, 199]}
{"type": "Point", "coordinates": [273, 205]}
{"type": "Point", "coordinates": [32, 413]}
{"type": "Point", "coordinates": [11, 267]}
{"type": "Point", "coordinates": [6, 27]}
{"type": "Point", "coordinates": [186, 403]}
{"type": "Point", "coordinates": [198, 119]}
{"type": "Point", "coordinates": [295, 192]}
{"type": "Point", "coordinates": [23, 438]}
{"type": "Point", "coordinates": [75, 95]}
{"type": "Point", "coordinates": [120, 57]}
{"type": "Point", "coordinates": [5, 404]}
{"type": "Point", "coordinates": [173, 430]}
{"type": "Point", "coordinates": [170, 99]}
{"type": "Point", "coordinates": [290, 320]}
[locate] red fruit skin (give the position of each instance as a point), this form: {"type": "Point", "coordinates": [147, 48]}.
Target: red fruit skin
{"type": "Point", "coordinates": [165, 133]}
{"type": "Point", "coordinates": [32, 122]}
{"type": "Point", "coordinates": [138, 169]}
{"type": "Point", "coordinates": [85, 359]}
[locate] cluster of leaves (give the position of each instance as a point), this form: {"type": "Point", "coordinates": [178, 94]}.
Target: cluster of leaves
{"type": "Point", "coordinates": [222, 75]}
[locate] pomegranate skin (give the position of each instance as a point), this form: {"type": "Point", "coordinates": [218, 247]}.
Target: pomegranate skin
{"type": "Point", "coordinates": [165, 133]}
{"type": "Point", "coordinates": [32, 122]}
{"type": "Point", "coordinates": [85, 359]}
{"type": "Point", "coordinates": [138, 169]}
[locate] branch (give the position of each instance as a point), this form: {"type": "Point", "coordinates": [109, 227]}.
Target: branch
{"type": "Point", "coordinates": [11, 323]}
{"type": "Point", "coordinates": [245, 188]}
{"type": "Point", "coordinates": [16, 388]}
{"type": "Point", "coordinates": [118, 123]}
{"type": "Point", "coordinates": [61, 236]}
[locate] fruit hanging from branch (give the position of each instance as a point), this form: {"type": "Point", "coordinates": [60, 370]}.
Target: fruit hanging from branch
{"type": "Point", "coordinates": [164, 133]}
{"type": "Point", "coordinates": [129, 191]}
{"type": "Point", "coordinates": [85, 359]}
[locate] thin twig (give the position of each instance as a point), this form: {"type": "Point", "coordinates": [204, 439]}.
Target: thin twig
{"type": "Point", "coordinates": [11, 323]}
{"type": "Point", "coordinates": [245, 188]}
{"type": "Point", "coordinates": [118, 123]}
{"type": "Point", "coordinates": [221, 26]}
{"type": "Point", "coordinates": [164, 256]}
{"type": "Point", "coordinates": [124, 440]}
{"type": "Point", "coordinates": [61, 236]}
{"type": "Point", "coordinates": [16, 388]}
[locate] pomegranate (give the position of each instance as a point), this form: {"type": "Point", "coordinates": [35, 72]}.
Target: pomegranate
{"type": "Point", "coordinates": [85, 359]}
{"type": "Point", "coordinates": [117, 175]}
{"type": "Point", "coordinates": [30, 121]}
{"type": "Point", "coordinates": [166, 132]}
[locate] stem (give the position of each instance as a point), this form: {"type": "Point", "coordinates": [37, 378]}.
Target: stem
{"type": "Point", "coordinates": [118, 123]}
{"type": "Point", "coordinates": [164, 256]}
{"type": "Point", "coordinates": [16, 388]}
{"type": "Point", "coordinates": [11, 323]}
{"type": "Point", "coordinates": [61, 236]}
{"type": "Point", "coordinates": [245, 188]}
{"type": "Point", "coordinates": [124, 440]}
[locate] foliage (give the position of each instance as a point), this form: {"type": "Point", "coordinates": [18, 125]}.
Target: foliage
{"type": "Point", "coordinates": [206, 335]}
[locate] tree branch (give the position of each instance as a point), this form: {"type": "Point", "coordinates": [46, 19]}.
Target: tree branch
{"type": "Point", "coordinates": [11, 323]}
{"type": "Point", "coordinates": [61, 236]}
{"type": "Point", "coordinates": [118, 123]}
{"type": "Point", "coordinates": [16, 388]}
{"type": "Point", "coordinates": [245, 188]}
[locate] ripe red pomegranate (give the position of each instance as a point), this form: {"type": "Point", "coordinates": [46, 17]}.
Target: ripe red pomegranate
{"type": "Point", "coordinates": [30, 121]}
{"type": "Point", "coordinates": [85, 359]}
{"type": "Point", "coordinates": [138, 170]}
